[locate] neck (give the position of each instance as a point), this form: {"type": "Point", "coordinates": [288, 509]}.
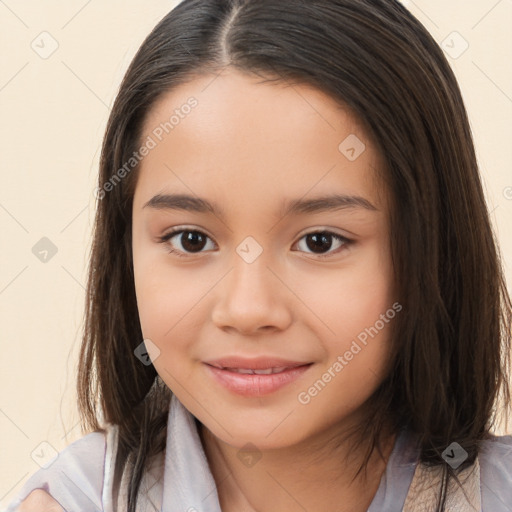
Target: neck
{"type": "Point", "coordinates": [318, 474]}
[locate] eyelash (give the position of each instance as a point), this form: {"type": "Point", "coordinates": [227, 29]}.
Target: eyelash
{"type": "Point", "coordinates": [165, 238]}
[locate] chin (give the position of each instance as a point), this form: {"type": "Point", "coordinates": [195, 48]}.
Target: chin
{"type": "Point", "coordinates": [269, 435]}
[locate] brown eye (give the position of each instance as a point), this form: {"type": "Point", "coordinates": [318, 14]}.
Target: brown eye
{"type": "Point", "coordinates": [320, 242]}
{"type": "Point", "coordinates": [192, 241]}
{"type": "Point", "coordinates": [187, 241]}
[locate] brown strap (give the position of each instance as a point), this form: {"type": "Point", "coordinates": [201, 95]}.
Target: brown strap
{"type": "Point", "coordinates": [426, 484]}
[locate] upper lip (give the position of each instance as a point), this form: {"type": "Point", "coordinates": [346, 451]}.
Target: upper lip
{"type": "Point", "coordinates": [257, 363]}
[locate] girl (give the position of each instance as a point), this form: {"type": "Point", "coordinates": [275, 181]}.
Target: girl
{"type": "Point", "coordinates": [295, 301]}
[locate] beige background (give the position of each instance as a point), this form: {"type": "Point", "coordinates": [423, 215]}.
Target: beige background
{"type": "Point", "coordinates": [53, 113]}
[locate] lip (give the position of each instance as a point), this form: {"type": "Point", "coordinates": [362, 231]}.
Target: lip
{"type": "Point", "coordinates": [255, 363]}
{"type": "Point", "coordinates": [246, 384]}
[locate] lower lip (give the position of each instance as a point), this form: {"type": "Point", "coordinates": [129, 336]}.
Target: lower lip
{"type": "Point", "coordinates": [249, 384]}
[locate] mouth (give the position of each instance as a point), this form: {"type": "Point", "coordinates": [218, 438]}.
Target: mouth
{"type": "Point", "coordinates": [256, 377]}
{"type": "Point", "coordinates": [249, 371]}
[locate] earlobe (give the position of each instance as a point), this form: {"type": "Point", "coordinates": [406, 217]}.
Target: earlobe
{"type": "Point", "coordinates": [39, 501]}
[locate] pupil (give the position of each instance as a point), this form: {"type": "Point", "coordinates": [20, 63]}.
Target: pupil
{"type": "Point", "coordinates": [190, 239]}
{"type": "Point", "coordinates": [321, 239]}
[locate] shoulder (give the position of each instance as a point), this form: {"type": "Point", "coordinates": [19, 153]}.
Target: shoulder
{"type": "Point", "coordinates": [496, 453]}
{"type": "Point", "coordinates": [72, 480]}
{"type": "Point", "coordinates": [495, 458]}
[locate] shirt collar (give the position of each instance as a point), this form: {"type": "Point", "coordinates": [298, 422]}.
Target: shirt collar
{"type": "Point", "coordinates": [189, 484]}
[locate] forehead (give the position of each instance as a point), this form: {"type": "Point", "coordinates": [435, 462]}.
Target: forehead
{"type": "Point", "coordinates": [235, 133]}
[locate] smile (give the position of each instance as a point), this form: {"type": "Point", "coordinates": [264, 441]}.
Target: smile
{"type": "Point", "coordinates": [256, 382]}
{"type": "Point", "coordinates": [267, 371]}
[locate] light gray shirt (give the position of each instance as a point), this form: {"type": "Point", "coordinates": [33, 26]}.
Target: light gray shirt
{"type": "Point", "coordinates": [75, 478]}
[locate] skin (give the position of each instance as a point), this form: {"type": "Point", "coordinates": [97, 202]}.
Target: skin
{"type": "Point", "coordinates": [288, 302]}
{"type": "Point", "coordinates": [39, 501]}
{"type": "Point", "coordinates": [246, 147]}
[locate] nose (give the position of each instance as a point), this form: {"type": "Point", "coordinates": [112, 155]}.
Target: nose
{"type": "Point", "coordinates": [251, 299]}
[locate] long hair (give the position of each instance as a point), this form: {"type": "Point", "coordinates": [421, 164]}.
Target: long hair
{"type": "Point", "coordinates": [450, 347]}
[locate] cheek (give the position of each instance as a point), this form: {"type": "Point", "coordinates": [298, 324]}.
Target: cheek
{"type": "Point", "coordinates": [164, 314]}
{"type": "Point", "coordinates": [169, 302]}
{"type": "Point", "coordinates": [355, 364]}
{"type": "Point", "coordinates": [358, 309]}
{"type": "Point", "coordinates": [349, 299]}
{"type": "Point", "coordinates": [164, 298]}
{"type": "Point", "coordinates": [163, 293]}
{"type": "Point", "coordinates": [369, 316]}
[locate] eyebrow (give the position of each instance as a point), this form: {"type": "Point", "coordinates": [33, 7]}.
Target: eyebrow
{"type": "Point", "coordinates": [319, 204]}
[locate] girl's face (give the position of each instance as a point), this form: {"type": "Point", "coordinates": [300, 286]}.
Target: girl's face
{"type": "Point", "coordinates": [280, 261]}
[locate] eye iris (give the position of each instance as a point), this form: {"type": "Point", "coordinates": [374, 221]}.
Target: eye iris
{"type": "Point", "coordinates": [322, 240]}
{"type": "Point", "coordinates": [189, 241]}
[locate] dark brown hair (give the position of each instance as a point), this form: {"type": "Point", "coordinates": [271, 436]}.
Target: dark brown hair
{"type": "Point", "coordinates": [450, 346]}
